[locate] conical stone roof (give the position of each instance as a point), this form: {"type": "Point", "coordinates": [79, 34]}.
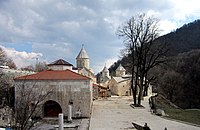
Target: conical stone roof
{"type": "Point", "coordinates": [105, 69]}
{"type": "Point", "coordinates": [60, 62]}
{"type": "Point", "coordinates": [120, 68]}
{"type": "Point", "coordinates": [82, 54]}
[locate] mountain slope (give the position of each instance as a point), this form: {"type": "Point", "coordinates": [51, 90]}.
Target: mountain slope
{"type": "Point", "coordinates": [183, 39]}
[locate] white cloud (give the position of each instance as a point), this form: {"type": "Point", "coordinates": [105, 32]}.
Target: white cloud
{"type": "Point", "coordinates": [167, 26]}
{"type": "Point", "coordinates": [21, 59]}
{"type": "Point", "coordinates": [184, 8]}
{"type": "Point", "coordinates": [53, 51]}
{"type": "Point", "coordinates": [108, 62]}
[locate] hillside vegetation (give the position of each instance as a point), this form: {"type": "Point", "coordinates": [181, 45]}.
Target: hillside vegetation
{"type": "Point", "coordinates": [183, 39]}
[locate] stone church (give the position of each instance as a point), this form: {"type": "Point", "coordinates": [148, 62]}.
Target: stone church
{"type": "Point", "coordinates": [66, 86]}
{"type": "Point", "coordinates": [104, 77]}
{"type": "Point", "coordinates": [119, 84]}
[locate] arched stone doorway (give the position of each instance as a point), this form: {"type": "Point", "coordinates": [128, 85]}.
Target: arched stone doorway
{"type": "Point", "coordinates": [51, 109]}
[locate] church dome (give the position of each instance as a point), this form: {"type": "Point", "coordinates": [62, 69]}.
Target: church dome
{"type": "Point", "coordinates": [82, 54]}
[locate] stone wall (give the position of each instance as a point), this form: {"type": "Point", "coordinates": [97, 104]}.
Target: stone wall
{"type": "Point", "coordinates": [113, 86]}
{"type": "Point", "coordinates": [124, 88]}
{"type": "Point", "coordinates": [80, 63]}
{"type": "Point", "coordinates": [59, 67]}
{"type": "Point", "coordinates": [63, 91]}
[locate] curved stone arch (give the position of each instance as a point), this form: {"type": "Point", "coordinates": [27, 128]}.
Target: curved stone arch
{"type": "Point", "coordinates": [51, 108]}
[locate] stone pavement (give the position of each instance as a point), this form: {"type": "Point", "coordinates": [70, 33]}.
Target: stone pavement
{"type": "Point", "coordinates": [115, 113]}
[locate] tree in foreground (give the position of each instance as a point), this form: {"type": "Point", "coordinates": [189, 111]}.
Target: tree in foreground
{"type": "Point", "coordinates": [28, 99]}
{"type": "Point", "coordinates": [139, 33]}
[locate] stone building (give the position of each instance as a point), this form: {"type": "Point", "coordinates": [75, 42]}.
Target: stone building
{"type": "Point", "coordinates": [99, 91]}
{"type": "Point", "coordinates": [120, 83]}
{"type": "Point", "coordinates": [104, 77]}
{"type": "Point", "coordinates": [120, 86]}
{"type": "Point", "coordinates": [66, 86]}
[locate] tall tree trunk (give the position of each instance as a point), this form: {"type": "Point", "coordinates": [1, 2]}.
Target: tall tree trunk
{"type": "Point", "coordinates": [134, 89]}
{"type": "Point", "coordinates": [145, 92]}
{"type": "Point", "coordinates": [136, 84]}
{"type": "Point", "coordinates": [133, 85]}
{"type": "Point", "coordinates": [140, 95]}
{"type": "Point", "coordinates": [141, 90]}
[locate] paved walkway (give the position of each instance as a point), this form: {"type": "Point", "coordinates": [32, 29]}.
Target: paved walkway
{"type": "Point", "coordinates": [115, 114]}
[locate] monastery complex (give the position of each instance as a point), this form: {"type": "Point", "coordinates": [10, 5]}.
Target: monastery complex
{"type": "Point", "coordinates": [65, 84]}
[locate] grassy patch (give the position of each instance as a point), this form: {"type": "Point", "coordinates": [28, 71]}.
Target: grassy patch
{"type": "Point", "coordinates": [187, 115]}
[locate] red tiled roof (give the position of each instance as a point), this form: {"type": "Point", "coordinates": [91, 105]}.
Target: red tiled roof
{"type": "Point", "coordinates": [54, 75]}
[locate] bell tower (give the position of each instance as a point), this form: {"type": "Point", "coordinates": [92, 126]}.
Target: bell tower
{"type": "Point", "coordinates": [83, 60]}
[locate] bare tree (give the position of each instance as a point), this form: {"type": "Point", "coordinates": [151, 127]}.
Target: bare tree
{"type": "Point", "coordinates": [5, 60]}
{"type": "Point", "coordinates": [139, 34]}
{"type": "Point", "coordinates": [40, 66]}
{"type": "Point", "coordinates": [2, 56]}
{"type": "Point", "coordinates": [28, 68]}
{"type": "Point", "coordinates": [23, 98]}
{"type": "Point", "coordinates": [28, 99]}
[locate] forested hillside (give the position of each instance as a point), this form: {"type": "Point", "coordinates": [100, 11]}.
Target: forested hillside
{"type": "Point", "coordinates": [183, 39]}
{"type": "Point", "coordinates": [178, 79]}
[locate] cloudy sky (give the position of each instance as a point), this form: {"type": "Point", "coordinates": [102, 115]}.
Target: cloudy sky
{"type": "Point", "coordinates": [53, 29]}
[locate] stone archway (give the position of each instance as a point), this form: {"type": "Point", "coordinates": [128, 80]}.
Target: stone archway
{"type": "Point", "coordinates": [51, 109]}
